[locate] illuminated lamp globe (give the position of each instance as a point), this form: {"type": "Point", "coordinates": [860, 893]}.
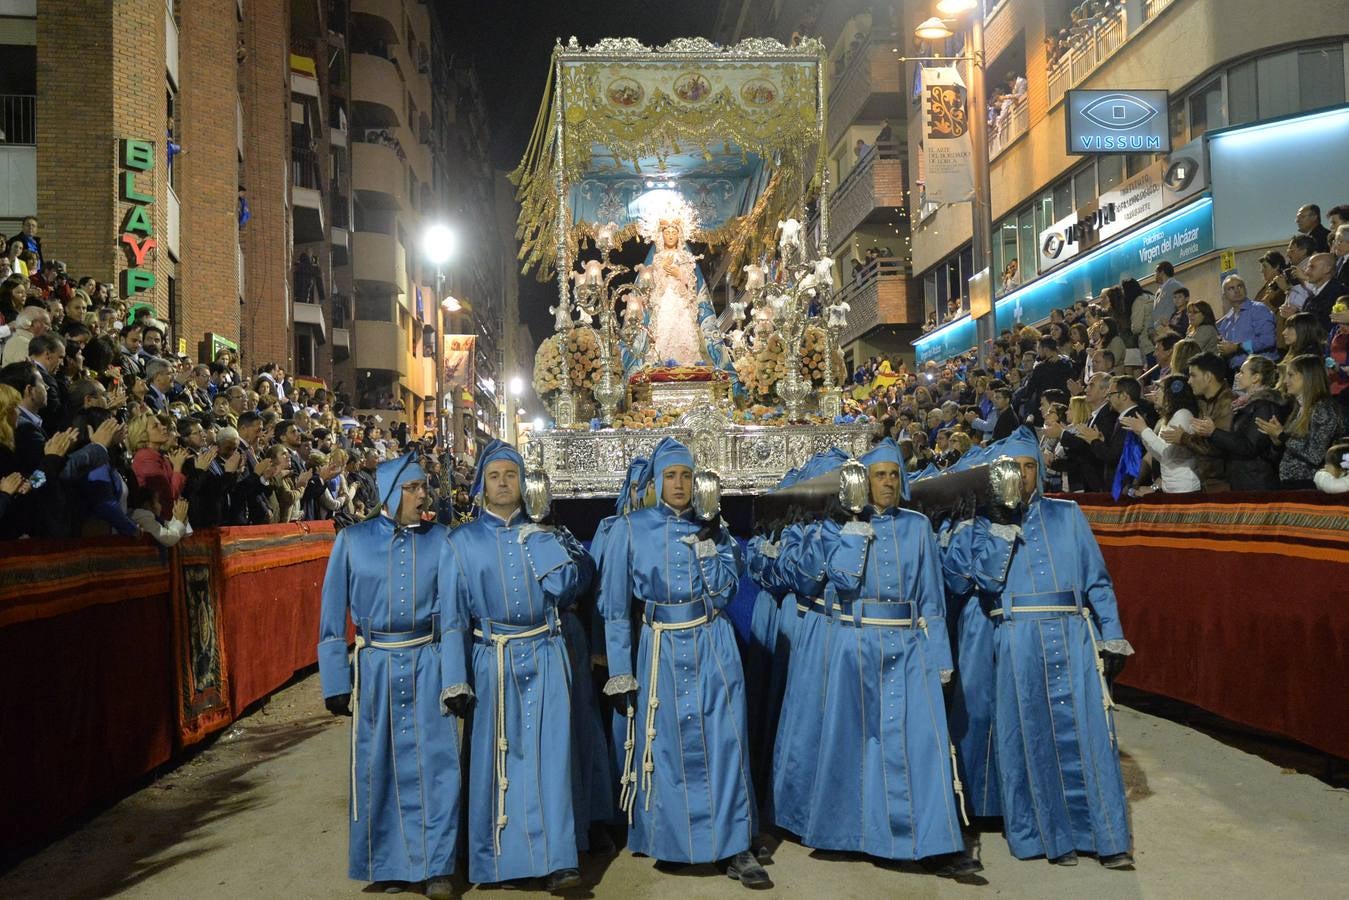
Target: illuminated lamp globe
{"type": "Point", "coordinates": [934, 29]}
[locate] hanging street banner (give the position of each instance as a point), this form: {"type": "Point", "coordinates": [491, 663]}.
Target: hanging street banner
{"type": "Point", "coordinates": [459, 361]}
{"type": "Point", "coordinates": [948, 154]}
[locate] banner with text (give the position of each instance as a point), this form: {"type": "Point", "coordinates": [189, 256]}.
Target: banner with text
{"type": "Point", "coordinates": [948, 154]}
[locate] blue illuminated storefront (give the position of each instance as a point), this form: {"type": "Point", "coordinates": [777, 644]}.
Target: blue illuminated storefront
{"type": "Point", "coordinates": [1181, 236]}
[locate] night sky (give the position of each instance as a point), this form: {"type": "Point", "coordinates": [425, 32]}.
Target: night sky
{"type": "Point", "coordinates": [510, 43]}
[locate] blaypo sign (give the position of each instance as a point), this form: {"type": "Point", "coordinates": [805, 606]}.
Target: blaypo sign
{"type": "Point", "coordinates": [1117, 122]}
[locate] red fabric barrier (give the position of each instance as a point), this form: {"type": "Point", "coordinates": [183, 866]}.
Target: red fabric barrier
{"type": "Point", "coordinates": [1237, 604]}
{"type": "Point", "coordinates": [91, 651]}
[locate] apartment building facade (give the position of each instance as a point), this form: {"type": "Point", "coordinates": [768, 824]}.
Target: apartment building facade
{"type": "Point", "coordinates": [1226, 65]}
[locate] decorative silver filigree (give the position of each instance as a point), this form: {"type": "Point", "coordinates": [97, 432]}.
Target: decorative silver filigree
{"type": "Point", "coordinates": [749, 48]}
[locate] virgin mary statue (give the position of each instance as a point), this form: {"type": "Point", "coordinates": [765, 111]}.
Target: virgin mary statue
{"type": "Point", "coordinates": [679, 315]}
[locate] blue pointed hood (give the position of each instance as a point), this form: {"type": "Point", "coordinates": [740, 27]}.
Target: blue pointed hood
{"type": "Point", "coordinates": [1021, 442]}
{"type": "Point", "coordinates": [887, 451]}
{"type": "Point", "coordinates": [632, 484]}
{"type": "Point", "coordinates": [491, 453]}
{"type": "Point", "coordinates": [390, 476]}
{"type": "Point", "coordinates": [820, 463]}
{"type": "Point", "coordinates": [669, 452]}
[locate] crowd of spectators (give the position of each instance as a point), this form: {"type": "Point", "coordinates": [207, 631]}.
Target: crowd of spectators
{"type": "Point", "coordinates": [1084, 20]}
{"type": "Point", "coordinates": [104, 429]}
{"type": "Point", "coordinates": [1003, 101]}
{"type": "Point", "coordinates": [1148, 388]}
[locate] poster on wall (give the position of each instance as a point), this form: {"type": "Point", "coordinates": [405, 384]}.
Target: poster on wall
{"type": "Point", "coordinates": [948, 155]}
{"type": "Point", "coordinates": [459, 360]}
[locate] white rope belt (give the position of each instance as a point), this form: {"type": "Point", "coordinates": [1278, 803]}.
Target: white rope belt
{"type": "Point", "coordinates": [499, 642]}
{"type": "Point", "coordinates": [629, 793]}
{"type": "Point", "coordinates": [362, 643]}
{"type": "Point", "coordinates": [1106, 700]}
{"type": "Point", "coordinates": [1034, 609]}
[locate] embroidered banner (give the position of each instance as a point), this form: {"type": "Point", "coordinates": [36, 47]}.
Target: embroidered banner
{"type": "Point", "coordinates": [948, 154]}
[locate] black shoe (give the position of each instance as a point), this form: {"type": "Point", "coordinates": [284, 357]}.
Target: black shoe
{"type": "Point", "coordinates": [745, 869]}
{"type": "Point", "coordinates": [441, 888]}
{"type": "Point", "coordinates": [952, 865]}
{"type": "Point", "coordinates": [390, 887]}
{"type": "Point", "coordinates": [563, 879]}
{"type": "Point", "coordinates": [1067, 859]}
{"type": "Point", "coordinates": [601, 842]}
{"type": "Point", "coordinates": [1117, 861]}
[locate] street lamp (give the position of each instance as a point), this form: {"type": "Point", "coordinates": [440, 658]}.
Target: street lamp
{"type": "Point", "coordinates": [981, 244]}
{"type": "Point", "coordinates": [517, 385]}
{"type": "Point", "coordinates": [438, 246]}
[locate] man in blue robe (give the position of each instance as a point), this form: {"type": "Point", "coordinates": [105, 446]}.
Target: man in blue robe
{"type": "Point", "coordinates": [404, 745]}
{"type": "Point", "coordinates": [692, 800]}
{"type": "Point", "coordinates": [1037, 572]}
{"type": "Point", "coordinates": [971, 694]}
{"type": "Point", "coordinates": [503, 582]}
{"type": "Point", "coordinates": [885, 783]}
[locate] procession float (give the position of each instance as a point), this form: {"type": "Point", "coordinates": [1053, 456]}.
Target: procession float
{"type": "Point", "coordinates": [667, 190]}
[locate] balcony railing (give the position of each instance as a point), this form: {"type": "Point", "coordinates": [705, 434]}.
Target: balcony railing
{"type": "Point", "coordinates": [849, 92]}
{"type": "Point", "coordinates": [1088, 51]}
{"type": "Point", "coordinates": [304, 167]}
{"type": "Point", "coordinates": [1006, 130]}
{"type": "Point", "coordinates": [877, 294]}
{"type": "Point", "coordinates": [876, 181]}
{"type": "Point", "coordinates": [1152, 8]}
{"type": "Point", "coordinates": [18, 119]}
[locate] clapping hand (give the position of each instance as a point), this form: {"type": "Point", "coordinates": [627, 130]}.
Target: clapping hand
{"type": "Point", "coordinates": [178, 458]}
{"type": "Point", "coordinates": [1202, 427]}
{"type": "Point", "coordinates": [1227, 348]}
{"type": "Point", "coordinates": [234, 462]}
{"type": "Point", "coordinates": [59, 443]}
{"type": "Point", "coordinates": [1089, 434]}
{"type": "Point", "coordinates": [1172, 435]}
{"type": "Point", "coordinates": [206, 457]}
{"type": "Point", "coordinates": [305, 476]}
{"type": "Point", "coordinates": [107, 433]}
{"type": "Point", "coordinates": [1340, 318]}
{"type": "Point", "coordinates": [1134, 423]}
{"type": "Point", "coordinates": [180, 509]}
{"type": "Point", "coordinates": [1271, 428]}
{"type": "Point", "coordinates": [11, 483]}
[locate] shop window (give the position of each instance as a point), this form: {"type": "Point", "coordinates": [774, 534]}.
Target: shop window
{"type": "Point", "coordinates": [1084, 187]}
{"type": "Point", "coordinates": [1063, 198]}
{"type": "Point", "coordinates": [1029, 252]}
{"type": "Point", "coordinates": [1320, 77]}
{"type": "Point", "coordinates": [1242, 99]}
{"type": "Point", "coordinates": [1206, 108]}
{"type": "Point", "coordinates": [1004, 248]}
{"type": "Point", "coordinates": [1277, 87]}
{"type": "Point", "coordinates": [1179, 132]}
{"type": "Point", "coordinates": [1109, 171]}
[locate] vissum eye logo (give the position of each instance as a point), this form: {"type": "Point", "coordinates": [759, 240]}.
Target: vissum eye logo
{"type": "Point", "coordinates": [1119, 112]}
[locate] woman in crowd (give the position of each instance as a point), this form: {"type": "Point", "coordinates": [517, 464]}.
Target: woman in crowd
{"type": "Point", "coordinates": [101, 495]}
{"type": "Point", "coordinates": [1203, 326]}
{"type": "Point", "coordinates": [1178, 408]}
{"type": "Point", "coordinates": [1301, 334]}
{"type": "Point", "coordinates": [1252, 458]}
{"type": "Point", "coordinates": [1181, 354]}
{"type": "Point", "coordinates": [1108, 338]}
{"type": "Point", "coordinates": [1055, 416]}
{"type": "Point", "coordinates": [1271, 293]}
{"type": "Point", "coordinates": [156, 468]}
{"type": "Point", "coordinates": [1312, 426]}
{"type": "Point", "coordinates": [1079, 342]}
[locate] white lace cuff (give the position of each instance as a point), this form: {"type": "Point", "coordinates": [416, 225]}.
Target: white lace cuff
{"type": "Point", "coordinates": [1008, 533]}
{"type": "Point", "coordinates": [769, 549]}
{"type": "Point", "coordinates": [532, 528]}
{"type": "Point", "coordinates": [862, 528]}
{"type": "Point", "coordinates": [454, 690]}
{"type": "Point", "coordinates": [705, 549]}
{"type": "Point", "coordinates": [1119, 648]}
{"type": "Point", "coordinates": [946, 675]}
{"type": "Point", "coordinates": [620, 684]}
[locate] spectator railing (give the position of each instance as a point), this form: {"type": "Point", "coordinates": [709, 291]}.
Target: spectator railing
{"type": "Point", "coordinates": [1152, 8]}
{"type": "Point", "coordinates": [1089, 49]}
{"type": "Point", "coordinates": [1017, 124]}
{"type": "Point", "coordinates": [18, 119]}
{"type": "Point", "coordinates": [305, 168]}
{"type": "Point", "coordinates": [863, 294]}
{"type": "Point", "coordinates": [850, 91]}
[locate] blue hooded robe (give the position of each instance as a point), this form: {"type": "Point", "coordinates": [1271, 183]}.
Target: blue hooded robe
{"type": "Point", "coordinates": [971, 708]}
{"type": "Point", "coordinates": [405, 777]}
{"type": "Point", "coordinates": [1045, 587]}
{"type": "Point", "coordinates": [884, 783]}
{"type": "Point", "coordinates": [504, 584]}
{"type": "Point", "coordinates": [687, 783]}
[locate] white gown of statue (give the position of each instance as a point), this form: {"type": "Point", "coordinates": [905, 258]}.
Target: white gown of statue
{"type": "Point", "coordinates": [674, 309]}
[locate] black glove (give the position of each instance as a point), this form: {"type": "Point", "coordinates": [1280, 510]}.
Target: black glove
{"type": "Point", "coordinates": [865, 515]}
{"type": "Point", "coordinates": [1004, 515]}
{"type": "Point", "coordinates": [623, 702]}
{"type": "Point", "coordinates": [338, 704]}
{"type": "Point", "coordinates": [1114, 664]}
{"type": "Point", "coordinates": [710, 529]}
{"type": "Point", "coordinates": [459, 705]}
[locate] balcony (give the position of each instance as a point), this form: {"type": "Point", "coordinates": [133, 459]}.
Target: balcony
{"type": "Point", "coordinates": [379, 263]}
{"type": "Point", "coordinates": [1088, 50]}
{"type": "Point", "coordinates": [306, 198]}
{"type": "Point", "coordinates": [875, 184]}
{"type": "Point", "coordinates": [377, 92]}
{"type": "Point", "coordinates": [871, 87]}
{"type": "Point", "coordinates": [340, 241]}
{"type": "Point", "coordinates": [379, 346]}
{"type": "Point", "coordinates": [421, 378]}
{"type": "Point", "coordinates": [1005, 131]}
{"type": "Point", "coordinates": [378, 176]}
{"type": "Point", "coordinates": [879, 295]}
{"type": "Point", "coordinates": [371, 22]}
{"type": "Point", "coordinates": [304, 77]}
{"type": "Point", "coordinates": [311, 314]}
{"type": "Point", "coordinates": [341, 344]}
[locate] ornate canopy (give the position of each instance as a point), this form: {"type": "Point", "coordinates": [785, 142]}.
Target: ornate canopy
{"type": "Point", "coordinates": [730, 130]}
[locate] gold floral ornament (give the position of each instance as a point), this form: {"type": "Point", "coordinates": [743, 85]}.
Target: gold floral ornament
{"type": "Point", "coordinates": [583, 362]}
{"type": "Point", "coordinates": [759, 371]}
{"type": "Point", "coordinates": [689, 96]}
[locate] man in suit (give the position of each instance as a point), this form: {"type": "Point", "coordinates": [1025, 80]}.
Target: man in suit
{"type": "Point", "coordinates": [1309, 223]}
{"type": "Point", "coordinates": [1051, 373]}
{"type": "Point", "coordinates": [1124, 398]}
{"type": "Point", "coordinates": [1081, 446]}
{"type": "Point", "coordinates": [1339, 248]}
{"type": "Point", "coordinates": [1323, 288]}
{"type": "Point", "coordinates": [47, 352]}
{"type": "Point", "coordinates": [1007, 421]}
{"type": "Point", "coordinates": [159, 378]}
